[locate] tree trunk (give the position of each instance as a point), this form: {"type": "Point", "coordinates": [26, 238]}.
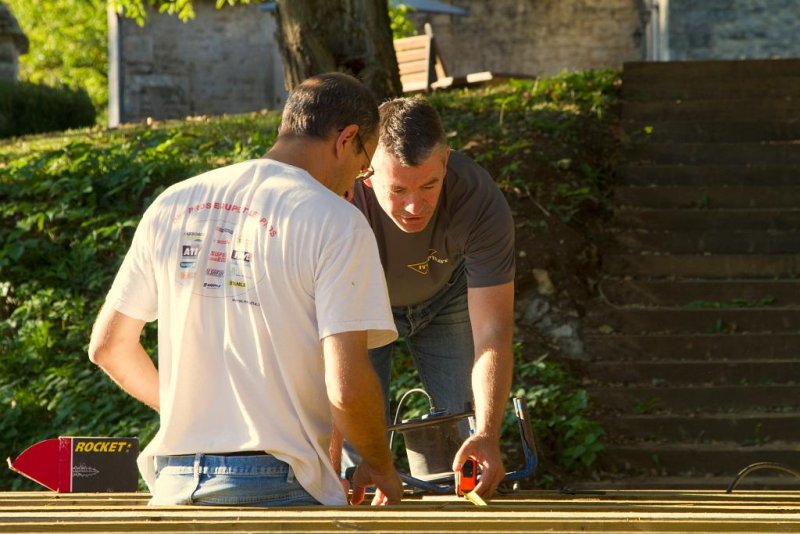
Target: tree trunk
{"type": "Point", "coordinates": [352, 36]}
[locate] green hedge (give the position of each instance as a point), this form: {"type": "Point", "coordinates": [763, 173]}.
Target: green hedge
{"type": "Point", "coordinates": [27, 108]}
{"type": "Point", "coordinates": [68, 209]}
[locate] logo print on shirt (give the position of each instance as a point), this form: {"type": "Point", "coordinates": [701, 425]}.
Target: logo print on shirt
{"type": "Point", "coordinates": [240, 255]}
{"type": "Point", "coordinates": [217, 256]}
{"type": "Point", "coordinates": [423, 266]}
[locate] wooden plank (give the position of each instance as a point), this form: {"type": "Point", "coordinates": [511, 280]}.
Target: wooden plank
{"type": "Point", "coordinates": [524, 496]}
{"type": "Point", "coordinates": [415, 54]}
{"type": "Point", "coordinates": [414, 86]}
{"type": "Point", "coordinates": [527, 511]}
{"type": "Point", "coordinates": [611, 497]}
{"type": "Point", "coordinates": [415, 41]}
{"type": "Point", "coordinates": [378, 523]}
{"type": "Point", "coordinates": [414, 63]}
{"type": "Point", "coordinates": [416, 67]}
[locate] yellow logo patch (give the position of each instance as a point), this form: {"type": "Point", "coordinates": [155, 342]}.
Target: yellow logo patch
{"type": "Point", "coordinates": [422, 267]}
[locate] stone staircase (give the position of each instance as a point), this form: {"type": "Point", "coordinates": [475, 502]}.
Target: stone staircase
{"type": "Point", "coordinates": [695, 354]}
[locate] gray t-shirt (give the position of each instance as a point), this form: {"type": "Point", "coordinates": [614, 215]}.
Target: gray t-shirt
{"type": "Point", "coordinates": [472, 224]}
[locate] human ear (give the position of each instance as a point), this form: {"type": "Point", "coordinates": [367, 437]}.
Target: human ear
{"type": "Point", "coordinates": [347, 135]}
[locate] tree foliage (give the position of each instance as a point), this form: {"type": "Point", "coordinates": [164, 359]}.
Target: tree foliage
{"type": "Point", "coordinates": [184, 9]}
{"type": "Point", "coordinates": [68, 45]}
{"type": "Point", "coordinates": [400, 22]}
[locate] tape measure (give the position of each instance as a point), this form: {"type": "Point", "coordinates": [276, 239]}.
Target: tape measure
{"type": "Point", "coordinates": [467, 477]}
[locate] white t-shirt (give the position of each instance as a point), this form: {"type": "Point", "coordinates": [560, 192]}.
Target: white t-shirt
{"type": "Point", "coordinates": [246, 269]}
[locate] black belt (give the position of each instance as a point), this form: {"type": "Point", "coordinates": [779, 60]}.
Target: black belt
{"type": "Point", "coordinates": [239, 453]}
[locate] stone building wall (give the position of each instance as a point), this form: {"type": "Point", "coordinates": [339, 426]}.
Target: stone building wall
{"type": "Point", "coordinates": [222, 61]}
{"type": "Point", "coordinates": [539, 37]}
{"type": "Point", "coordinates": [226, 61]}
{"type": "Point", "coordinates": [13, 43]}
{"type": "Point", "coordinates": [733, 29]}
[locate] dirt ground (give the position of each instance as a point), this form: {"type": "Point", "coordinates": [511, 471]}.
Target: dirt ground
{"type": "Point", "coordinates": [557, 235]}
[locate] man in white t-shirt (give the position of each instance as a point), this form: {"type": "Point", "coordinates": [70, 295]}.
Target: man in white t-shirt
{"type": "Point", "coordinates": [268, 291]}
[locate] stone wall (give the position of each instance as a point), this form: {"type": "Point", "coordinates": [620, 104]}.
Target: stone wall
{"type": "Point", "coordinates": [733, 29]}
{"type": "Point", "coordinates": [538, 37]}
{"type": "Point", "coordinates": [13, 43]}
{"type": "Point", "coordinates": [223, 61]}
{"type": "Point", "coordinates": [226, 61]}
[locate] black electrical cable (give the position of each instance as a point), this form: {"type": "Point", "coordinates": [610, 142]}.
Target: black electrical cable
{"type": "Point", "coordinates": [400, 406]}
{"type": "Point", "coordinates": [758, 466]}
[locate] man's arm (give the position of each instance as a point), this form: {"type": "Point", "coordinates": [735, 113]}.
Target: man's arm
{"type": "Point", "coordinates": [116, 348]}
{"type": "Point", "coordinates": [491, 312]}
{"type": "Point", "coordinates": [356, 402]}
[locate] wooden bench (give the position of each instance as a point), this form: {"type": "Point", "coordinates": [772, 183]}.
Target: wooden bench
{"type": "Point", "coordinates": [422, 68]}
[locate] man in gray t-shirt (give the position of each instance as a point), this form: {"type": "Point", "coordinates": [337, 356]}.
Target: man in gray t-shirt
{"type": "Point", "coordinates": [446, 240]}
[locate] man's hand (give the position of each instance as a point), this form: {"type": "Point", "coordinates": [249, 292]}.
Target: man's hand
{"type": "Point", "coordinates": [486, 451]}
{"type": "Point", "coordinates": [389, 488]}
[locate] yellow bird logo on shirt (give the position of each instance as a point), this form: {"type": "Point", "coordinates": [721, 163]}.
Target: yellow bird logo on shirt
{"type": "Point", "coordinates": [423, 266]}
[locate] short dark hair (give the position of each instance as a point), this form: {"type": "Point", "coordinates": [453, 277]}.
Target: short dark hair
{"type": "Point", "coordinates": [327, 102]}
{"type": "Point", "coordinates": [410, 129]}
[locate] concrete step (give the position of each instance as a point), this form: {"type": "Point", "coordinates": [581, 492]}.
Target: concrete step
{"type": "Point", "coordinates": [660, 373]}
{"type": "Point", "coordinates": [708, 175]}
{"type": "Point", "coordinates": [765, 109]}
{"type": "Point", "coordinates": [723, 130]}
{"type": "Point", "coordinates": [708, 197]}
{"type": "Point", "coordinates": [743, 428]}
{"type": "Point", "coordinates": [694, 363]}
{"type": "Point", "coordinates": [703, 241]}
{"type": "Point", "coordinates": [775, 266]}
{"type": "Point", "coordinates": [699, 321]}
{"type": "Point", "coordinates": [689, 72]}
{"type": "Point", "coordinates": [680, 459]}
{"type": "Point", "coordinates": [678, 219]}
{"type": "Point", "coordinates": [709, 88]}
{"type": "Point", "coordinates": [776, 153]}
{"type": "Point", "coordinates": [692, 347]}
{"type": "Point", "coordinates": [698, 294]}
{"type": "Point", "coordinates": [674, 400]}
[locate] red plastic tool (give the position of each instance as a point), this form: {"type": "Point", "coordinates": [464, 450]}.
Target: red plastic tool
{"type": "Point", "coordinates": [467, 477]}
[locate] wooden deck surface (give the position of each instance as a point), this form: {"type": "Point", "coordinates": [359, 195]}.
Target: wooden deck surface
{"type": "Point", "coordinates": [525, 511]}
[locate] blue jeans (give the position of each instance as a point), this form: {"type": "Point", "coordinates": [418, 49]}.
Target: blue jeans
{"type": "Point", "coordinates": [213, 480]}
{"type": "Point", "coordinates": [438, 334]}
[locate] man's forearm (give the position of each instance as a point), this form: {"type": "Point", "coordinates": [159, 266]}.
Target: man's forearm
{"type": "Point", "coordinates": [116, 349]}
{"type": "Point", "coordinates": [367, 433]}
{"type": "Point", "coordinates": [491, 383]}
{"type": "Point", "coordinates": [356, 399]}
{"type": "Point", "coordinates": [136, 375]}
{"type": "Point", "coordinates": [491, 311]}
